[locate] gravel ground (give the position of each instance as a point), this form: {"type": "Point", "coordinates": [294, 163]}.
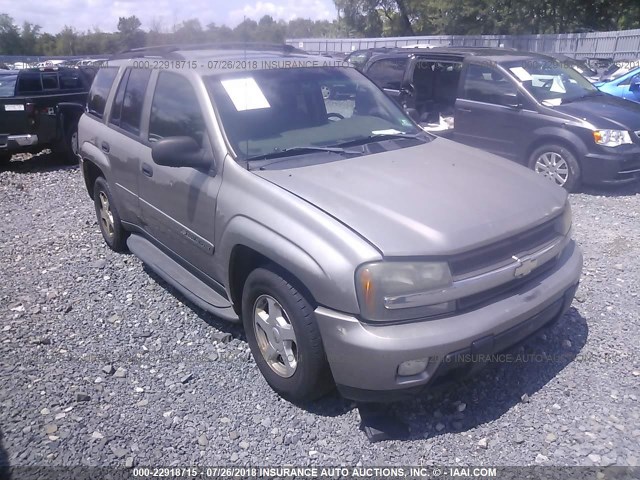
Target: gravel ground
{"type": "Point", "coordinates": [101, 363]}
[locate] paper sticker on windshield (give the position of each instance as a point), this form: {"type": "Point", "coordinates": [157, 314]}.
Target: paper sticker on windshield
{"type": "Point", "coordinates": [552, 102]}
{"type": "Point", "coordinates": [13, 108]}
{"type": "Point", "coordinates": [557, 86]}
{"type": "Point", "coordinates": [245, 94]}
{"type": "Point", "coordinates": [521, 73]}
{"type": "Point", "coordinates": [390, 131]}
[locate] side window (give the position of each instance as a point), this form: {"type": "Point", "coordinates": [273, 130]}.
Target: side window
{"type": "Point", "coordinates": [29, 82]}
{"type": "Point", "coordinates": [116, 108]}
{"type": "Point", "coordinates": [133, 98]}
{"type": "Point", "coordinates": [388, 73]}
{"type": "Point", "coordinates": [486, 84]}
{"type": "Point", "coordinates": [50, 81]}
{"type": "Point", "coordinates": [175, 110]}
{"type": "Point", "coordinates": [100, 91]}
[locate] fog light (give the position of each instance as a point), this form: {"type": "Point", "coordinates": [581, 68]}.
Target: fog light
{"type": "Point", "coordinates": [412, 367]}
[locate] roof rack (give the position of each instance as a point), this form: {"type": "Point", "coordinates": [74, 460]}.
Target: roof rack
{"type": "Point", "coordinates": [169, 50]}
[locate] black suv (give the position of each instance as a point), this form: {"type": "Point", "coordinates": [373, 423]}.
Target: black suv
{"type": "Point", "coordinates": [524, 106]}
{"type": "Point", "coordinates": [40, 108]}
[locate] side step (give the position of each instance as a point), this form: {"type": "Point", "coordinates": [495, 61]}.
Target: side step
{"type": "Point", "coordinates": [181, 279]}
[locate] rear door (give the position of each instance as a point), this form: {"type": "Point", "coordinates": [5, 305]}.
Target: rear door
{"type": "Point", "coordinates": [123, 142]}
{"type": "Point", "coordinates": [179, 203]}
{"type": "Point", "coordinates": [483, 116]}
{"type": "Point", "coordinates": [389, 74]}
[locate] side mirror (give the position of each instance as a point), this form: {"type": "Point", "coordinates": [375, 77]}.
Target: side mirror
{"type": "Point", "coordinates": [634, 85]}
{"type": "Point", "coordinates": [511, 100]}
{"type": "Point", "coordinates": [179, 152]}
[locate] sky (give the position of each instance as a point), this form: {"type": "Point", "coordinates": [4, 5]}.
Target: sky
{"type": "Point", "coordinates": [85, 15]}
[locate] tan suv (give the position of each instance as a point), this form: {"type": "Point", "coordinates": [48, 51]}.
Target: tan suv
{"type": "Point", "coordinates": [356, 249]}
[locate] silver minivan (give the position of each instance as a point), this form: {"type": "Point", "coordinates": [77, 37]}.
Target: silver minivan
{"type": "Point", "coordinates": [356, 249]}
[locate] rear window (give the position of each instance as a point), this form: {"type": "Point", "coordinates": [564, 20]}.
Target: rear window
{"type": "Point", "coordinates": [50, 81]}
{"type": "Point", "coordinates": [100, 91]}
{"type": "Point", "coordinates": [29, 82]}
{"type": "Point", "coordinates": [70, 81]}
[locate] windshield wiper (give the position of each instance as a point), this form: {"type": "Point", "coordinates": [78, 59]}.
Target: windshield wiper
{"type": "Point", "coordinates": [289, 152]}
{"type": "Point", "coordinates": [378, 137]}
{"type": "Point", "coordinates": [595, 93]}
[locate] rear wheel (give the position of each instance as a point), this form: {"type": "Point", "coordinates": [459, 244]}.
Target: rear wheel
{"type": "Point", "coordinates": [111, 228]}
{"type": "Point", "coordinates": [71, 149]}
{"type": "Point", "coordinates": [283, 336]}
{"type": "Point", "coordinates": [557, 164]}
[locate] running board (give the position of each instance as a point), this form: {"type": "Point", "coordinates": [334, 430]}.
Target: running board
{"type": "Point", "coordinates": [181, 279]}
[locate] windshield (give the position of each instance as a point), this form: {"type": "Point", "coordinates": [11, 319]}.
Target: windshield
{"type": "Point", "coordinates": [268, 111]}
{"type": "Point", "coordinates": [7, 85]}
{"type": "Point", "coordinates": [550, 82]}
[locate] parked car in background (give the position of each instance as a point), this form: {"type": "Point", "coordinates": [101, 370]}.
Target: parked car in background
{"type": "Point", "coordinates": [359, 58]}
{"type": "Point", "coordinates": [618, 69]}
{"type": "Point", "coordinates": [579, 66]}
{"type": "Point", "coordinates": [626, 86]}
{"type": "Point", "coordinates": [354, 247]}
{"type": "Point", "coordinates": [520, 105]}
{"type": "Point", "coordinates": [40, 108]}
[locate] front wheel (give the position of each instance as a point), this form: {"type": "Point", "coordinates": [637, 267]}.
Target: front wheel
{"type": "Point", "coordinates": [557, 164]}
{"type": "Point", "coordinates": [283, 336]}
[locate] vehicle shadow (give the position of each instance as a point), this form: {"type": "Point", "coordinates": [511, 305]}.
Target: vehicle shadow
{"type": "Point", "coordinates": [225, 326]}
{"type": "Point", "coordinates": [629, 189]}
{"type": "Point", "coordinates": [5, 471]}
{"type": "Point", "coordinates": [44, 161]}
{"type": "Point", "coordinates": [512, 379]}
{"type": "Point", "coordinates": [487, 396]}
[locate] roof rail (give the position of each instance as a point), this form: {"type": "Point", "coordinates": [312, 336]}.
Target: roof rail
{"type": "Point", "coordinates": [168, 50]}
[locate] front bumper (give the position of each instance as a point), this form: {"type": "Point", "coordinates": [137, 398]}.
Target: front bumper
{"type": "Point", "coordinates": [618, 167]}
{"type": "Point", "coordinates": [364, 358]}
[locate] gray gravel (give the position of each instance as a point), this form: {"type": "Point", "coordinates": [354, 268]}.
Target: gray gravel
{"type": "Point", "coordinates": [102, 364]}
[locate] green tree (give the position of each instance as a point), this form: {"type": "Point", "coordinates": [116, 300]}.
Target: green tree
{"type": "Point", "coordinates": [131, 36]}
{"type": "Point", "coordinates": [10, 41]}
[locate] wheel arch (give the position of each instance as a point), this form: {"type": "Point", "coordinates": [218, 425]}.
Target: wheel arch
{"type": "Point", "coordinates": [243, 260]}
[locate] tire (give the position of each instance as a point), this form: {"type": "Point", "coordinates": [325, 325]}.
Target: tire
{"type": "Point", "coordinates": [114, 234]}
{"type": "Point", "coordinates": [5, 158]}
{"type": "Point", "coordinates": [70, 150]}
{"type": "Point", "coordinates": [558, 164]}
{"type": "Point", "coordinates": [296, 367]}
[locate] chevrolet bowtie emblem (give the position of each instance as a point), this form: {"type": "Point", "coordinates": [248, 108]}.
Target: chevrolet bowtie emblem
{"type": "Point", "coordinates": [524, 267]}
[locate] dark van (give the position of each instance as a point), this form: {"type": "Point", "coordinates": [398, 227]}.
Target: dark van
{"type": "Point", "coordinates": [527, 107]}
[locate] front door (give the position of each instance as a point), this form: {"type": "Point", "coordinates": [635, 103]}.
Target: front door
{"type": "Point", "coordinates": [179, 203]}
{"type": "Point", "coordinates": [484, 117]}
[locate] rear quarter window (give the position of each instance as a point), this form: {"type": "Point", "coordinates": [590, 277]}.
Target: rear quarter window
{"type": "Point", "coordinates": [100, 91]}
{"type": "Point", "coordinates": [7, 85]}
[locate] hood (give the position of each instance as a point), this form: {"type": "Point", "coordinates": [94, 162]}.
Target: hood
{"type": "Point", "coordinates": [605, 111]}
{"type": "Point", "coordinates": [434, 199]}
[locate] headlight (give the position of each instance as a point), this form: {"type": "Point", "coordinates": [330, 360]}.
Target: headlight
{"type": "Point", "coordinates": [393, 290]}
{"type": "Point", "coordinates": [611, 138]}
{"type": "Point", "coordinates": [565, 220]}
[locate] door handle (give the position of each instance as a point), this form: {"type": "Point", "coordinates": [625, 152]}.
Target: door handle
{"type": "Point", "coordinates": [105, 147]}
{"type": "Point", "coordinates": [465, 110]}
{"type": "Point", "coordinates": [147, 170]}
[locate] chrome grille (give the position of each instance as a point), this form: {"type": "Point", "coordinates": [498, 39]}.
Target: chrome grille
{"type": "Point", "coordinates": [499, 252]}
